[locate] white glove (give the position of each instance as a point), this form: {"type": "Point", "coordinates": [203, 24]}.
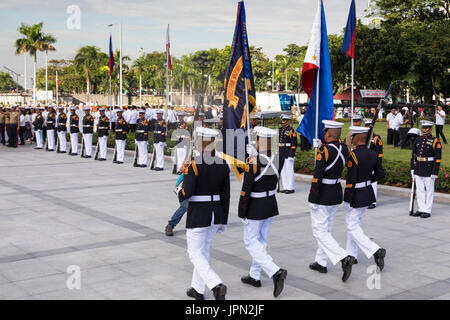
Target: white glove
{"type": "Point", "coordinates": [433, 177]}
{"type": "Point", "coordinates": [412, 173]}
{"type": "Point", "coordinates": [251, 150]}
{"type": "Point", "coordinates": [317, 143]}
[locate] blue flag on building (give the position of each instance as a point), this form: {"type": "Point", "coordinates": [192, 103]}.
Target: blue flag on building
{"type": "Point", "coordinates": [317, 71]}
{"type": "Point", "coordinates": [239, 72]}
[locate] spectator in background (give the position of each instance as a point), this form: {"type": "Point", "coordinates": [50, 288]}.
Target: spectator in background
{"type": "Point", "coordinates": [390, 120]}
{"type": "Point", "coordinates": [440, 121]}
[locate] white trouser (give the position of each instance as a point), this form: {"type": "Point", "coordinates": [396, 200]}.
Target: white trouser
{"type": "Point", "coordinates": [425, 193]}
{"type": "Point", "coordinates": [87, 137]}
{"type": "Point", "coordinates": [120, 150]}
{"type": "Point", "coordinates": [287, 175]}
{"type": "Point", "coordinates": [38, 135]}
{"type": "Point", "coordinates": [181, 156]}
{"type": "Point", "coordinates": [62, 141]}
{"type": "Point", "coordinates": [375, 190]}
{"type": "Point", "coordinates": [198, 246]}
{"type": "Point", "coordinates": [159, 154]}
{"type": "Point", "coordinates": [142, 152]}
{"type": "Point", "coordinates": [255, 241]}
{"type": "Point", "coordinates": [74, 142]}
{"type": "Point", "coordinates": [51, 139]}
{"type": "Point", "coordinates": [322, 218]}
{"type": "Point", "coordinates": [355, 234]}
{"type": "Point", "coordinates": [102, 147]}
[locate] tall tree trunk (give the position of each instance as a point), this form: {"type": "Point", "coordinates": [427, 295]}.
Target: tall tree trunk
{"type": "Point", "coordinates": [34, 82]}
{"type": "Point", "coordinates": [182, 94]}
{"type": "Point", "coordinates": [86, 71]}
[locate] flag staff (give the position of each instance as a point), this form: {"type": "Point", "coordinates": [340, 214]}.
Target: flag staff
{"type": "Point", "coordinates": [56, 87]}
{"type": "Point", "coordinates": [317, 112]}
{"type": "Point", "coordinates": [167, 70]}
{"type": "Point", "coordinates": [352, 88]}
{"type": "Point", "coordinates": [246, 105]}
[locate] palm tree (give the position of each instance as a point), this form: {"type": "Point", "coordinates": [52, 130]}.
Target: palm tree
{"type": "Point", "coordinates": [86, 59]}
{"type": "Point", "coordinates": [34, 40]}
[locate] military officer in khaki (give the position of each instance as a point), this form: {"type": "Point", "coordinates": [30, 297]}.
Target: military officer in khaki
{"type": "Point", "coordinates": [12, 125]}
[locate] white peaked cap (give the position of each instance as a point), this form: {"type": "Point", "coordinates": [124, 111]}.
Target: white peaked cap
{"type": "Point", "coordinates": [264, 132]}
{"type": "Point", "coordinates": [426, 123]}
{"type": "Point", "coordinates": [357, 130]}
{"type": "Point", "coordinates": [329, 124]}
{"type": "Point", "coordinates": [206, 132]}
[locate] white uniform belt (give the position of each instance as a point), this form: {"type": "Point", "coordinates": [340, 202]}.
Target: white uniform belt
{"type": "Point", "coordinates": [284, 144]}
{"type": "Point", "coordinates": [119, 130]}
{"type": "Point", "coordinates": [363, 184]}
{"type": "Point", "coordinates": [86, 125]}
{"type": "Point", "coordinates": [140, 131]}
{"type": "Point", "coordinates": [331, 181]}
{"type": "Point", "coordinates": [74, 125]}
{"type": "Point", "coordinates": [103, 127]}
{"type": "Point", "coordinates": [209, 198]}
{"type": "Point", "coordinates": [159, 132]}
{"type": "Point", "coordinates": [262, 194]}
{"type": "Point", "coordinates": [425, 159]}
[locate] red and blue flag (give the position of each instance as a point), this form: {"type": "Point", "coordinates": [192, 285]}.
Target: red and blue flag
{"type": "Point", "coordinates": [111, 56]}
{"type": "Point", "coordinates": [348, 46]}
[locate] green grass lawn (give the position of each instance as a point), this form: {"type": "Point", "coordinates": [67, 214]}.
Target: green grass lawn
{"type": "Point", "coordinates": [398, 154]}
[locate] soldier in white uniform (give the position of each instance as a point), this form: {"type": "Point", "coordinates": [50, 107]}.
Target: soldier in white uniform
{"type": "Point", "coordinates": [287, 148]}
{"type": "Point", "coordinates": [159, 141]}
{"type": "Point", "coordinates": [181, 148]}
{"type": "Point", "coordinates": [88, 132]}
{"type": "Point", "coordinates": [325, 196]}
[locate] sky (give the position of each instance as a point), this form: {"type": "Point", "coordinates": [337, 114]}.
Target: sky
{"type": "Point", "coordinates": [194, 25]}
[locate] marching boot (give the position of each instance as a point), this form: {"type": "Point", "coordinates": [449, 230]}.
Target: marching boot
{"type": "Point", "coordinates": [347, 264]}
{"type": "Point", "coordinates": [220, 291]}
{"type": "Point", "coordinates": [417, 214]}
{"type": "Point", "coordinates": [191, 292]}
{"type": "Point", "coordinates": [251, 281]}
{"type": "Point", "coordinates": [372, 206]}
{"type": "Point", "coordinates": [379, 258]}
{"type": "Point", "coordinates": [317, 267]}
{"type": "Point", "coordinates": [425, 215]}
{"type": "Point", "coordinates": [278, 282]}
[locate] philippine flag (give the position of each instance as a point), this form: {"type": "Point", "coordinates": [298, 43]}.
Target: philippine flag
{"type": "Point", "coordinates": [169, 60]}
{"type": "Point", "coordinates": [348, 46]}
{"type": "Point", "coordinates": [317, 72]}
{"type": "Point", "coordinates": [111, 57]}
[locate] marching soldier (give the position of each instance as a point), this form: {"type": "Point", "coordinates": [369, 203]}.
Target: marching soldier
{"type": "Point", "coordinates": [62, 129]}
{"type": "Point", "coordinates": [51, 123]}
{"type": "Point", "coordinates": [376, 145]}
{"type": "Point", "coordinates": [159, 141]}
{"type": "Point", "coordinates": [425, 163]}
{"type": "Point", "coordinates": [287, 148]}
{"type": "Point", "coordinates": [363, 168]}
{"type": "Point", "coordinates": [206, 184]}
{"type": "Point", "coordinates": [102, 132]}
{"type": "Point", "coordinates": [142, 127]}
{"type": "Point", "coordinates": [38, 125]}
{"type": "Point", "coordinates": [325, 196]}
{"type": "Point", "coordinates": [348, 139]}
{"type": "Point", "coordinates": [182, 145]}
{"type": "Point", "coordinates": [88, 132]}
{"type": "Point", "coordinates": [258, 206]}
{"type": "Point", "coordinates": [121, 130]}
{"type": "Point", "coordinates": [74, 130]}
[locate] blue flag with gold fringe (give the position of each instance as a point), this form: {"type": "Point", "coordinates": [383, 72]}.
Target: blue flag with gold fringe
{"type": "Point", "coordinates": [239, 72]}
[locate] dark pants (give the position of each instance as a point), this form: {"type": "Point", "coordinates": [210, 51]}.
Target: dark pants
{"type": "Point", "coordinates": [132, 127]}
{"type": "Point", "coordinates": [396, 138]}
{"type": "Point", "coordinates": [408, 143]}
{"type": "Point", "coordinates": [21, 132]}
{"type": "Point", "coordinates": [2, 133]}
{"type": "Point", "coordinates": [440, 132]}
{"type": "Point", "coordinates": [44, 133]}
{"type": "Point", "coordinates": [390, 136]}
{"type": "Point", "coordinates": [11, 129]}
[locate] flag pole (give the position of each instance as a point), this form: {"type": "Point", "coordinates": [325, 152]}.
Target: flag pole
{"type": "Point", "coordinates": [110, 91]}
{"type": "Point", "coordinates": [56, 87]}
{"type": "Point", "coordinates": [246, 105]}
{"type": "Point", "coordinates": [352, 88]}
{"type": "Point", "coordinates": [317, 112]}
{"type": "Point", "coordinates": [167, 72]}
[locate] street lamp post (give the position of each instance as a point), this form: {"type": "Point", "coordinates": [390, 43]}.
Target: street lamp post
{"type": "Point", "coordinates": [141, 50]}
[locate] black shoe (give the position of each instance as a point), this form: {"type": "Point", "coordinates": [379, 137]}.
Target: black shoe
{"type": "Point", "coordinates": [379, 258]}
{"type": "Point", "coordinates": [102, 159]}
{"type": "Point", "coordinates": [169, 231]}
{"type": "Point", "coordinates": [356, 261]}
{"type": "Point", "coordinates": [158, 169]}
{"type": "Point", "coordinates": [289, 191]}
{"type": "Point", "coordinates": [136, 165]}
{"type": "Point", "coordinates": [114, 161]}
{"type": "Point", "coordinates": [317, 267]}
{"type": "Point", "coordinates": [425, 215]}
{"type": "Point", "coordinates": [347, 264]}
{"type": "Point", "coordinates": [251, 281]}
{"type": "Point", "coordinates": [50, 150]}
{"type": "Point", "coordinates": [38, 148]}
{"type": "Point", "coordinates": [417, 214]}
{"type": "Point", "coordinates": [278, 282]}
{"type": "Point", "coordinates": [143, 166]}
{"type": "Point", "coordinates": [118, 162]}
{"type": "Point", "coordinates": [220, 291]}
{"type": "Point", "coordinates": [88, 157]}
{"type": "Point", "coordinates": [191, 292]}
{"type": "Point", "coordinates": [372, 206]}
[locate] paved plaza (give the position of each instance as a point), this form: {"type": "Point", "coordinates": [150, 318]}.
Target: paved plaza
{"type": "Point", "coordinates": [58, 211]}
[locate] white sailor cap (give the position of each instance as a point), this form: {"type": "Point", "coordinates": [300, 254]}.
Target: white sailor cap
{"type": "Point", "coordinates": [367, 122]}
{"type": "Point", "coordinates": [357, 117]}
{"type": "Point", "coordinates": [426, 123]}
{"type": "Point", "coordinates": [119, 110]}
{"type": "Point", "coordinates": [201, 114]}
{"type": "Point", "coordinates": [41, 108]}
{"type": "Point", "coordinates": [181, 114]}
{"type": "Point", "coordinates": [159, 111]}
{"type": "Point", "coordinates": [72, 108]}
{"type": "Point", "coordinates": [101, 109]}
{"type": "Point", "coordinates": [329, 124]}
{"type": "Point", "coordinates": [61, 108]}
{"type": "Point", "coordinates": [141, 111]}
{"type": "Point", "coordinates": [358, 130]}
{"type": "Point", "coordinates": [264, 132]}
{"type": "Point", "coordinates": [86, 108]}
{"type": "Point", "coordinates": [405, 108]}
{"type": "Point", "coordinates": [286, 117]}
{"type": "Point", "coordinates": [206, 132]}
